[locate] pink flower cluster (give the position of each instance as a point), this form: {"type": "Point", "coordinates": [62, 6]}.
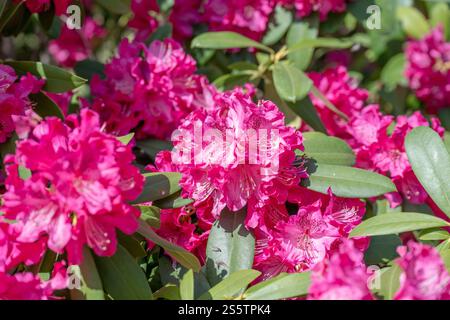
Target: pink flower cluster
{"type": "Point", "coordinates": [428, 69]}
{"type": "Point", "coordinates": [344, 275]}
{"type": "Point", "coordinates": [15, 105]}
{"type": "Point", "coordinates": [377, 139]}
{"type": "Point", "coordinates": [299, 242]}
{"type": "Point", "coordinates": [150, 89]}
{"type": "Point", "coordinates": [73, 46]}
{"type": "Point", "coordinates": [36, 6]}
{"type": "Point", "coordinates": [247, 17]}
{"type": "Point", "coordinates": [81, 180]}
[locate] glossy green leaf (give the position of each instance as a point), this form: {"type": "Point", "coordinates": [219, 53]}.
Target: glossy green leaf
{"type": "Point", "coordinates": [226, 40]}
{"type": "Point", "coordinates": [231, 286]}
{"type": "Point", "coordinates": [182, 256]}
{"type": "Point", "coordinates": [434, 235]}
{"type": "Point", "coordinates": [57, 80]}
{"type": "Point", "coordinates": [122, 277]}
{"type": "Point", "coordinates": [44, 106]}
{"type": "Point", "coordinates": [283, 286]}
{"type": "Point", "coordinates": [387, 282]}
{"type": "Point", "coordinates": [132, 245]}
{"type": "Point", "coordinates": [393, 73]}
{"type": "Point", "coordinates": [298, 32]}
{"type": "Point", "coordinates": [328, 150]}
{"type": "Point", "coordinates": [88, 68]}
{"type": "Point", "coordinates": [291, 83]}
{"type": "Point", "coordinates": [348, 182]}
{"type": "Point", "coordinates": [151, 215]}
{"type": "Point", "coordinates": [306, 110]}
{"type": "Point", "coordinates": [174, 201]}
{"type": "Point", "coordinates": [159, 186]}
{"type": "Point", "coordinates": [152, 147]}
{"type": "Point", "coordinates": [414, 23]}
{"type": "Point", "coordinates": [332, 43]}
{"type": "Point", "coordinates": [187, 286]}
{"type": "Point", "coordinates": [430, 162]}
{"type": "Point", "coordinates": [230, 246]}
{"type": "Point", "coordinates": [382, 249]}
{"type": "Point", "coordinates": [282, 19]}
{"type": "Point", "coordinates": [397, 222]}
{"type": "Point", "coordinates": [91, 287]}
{"type": "Point", "coordinates": [126, 139]}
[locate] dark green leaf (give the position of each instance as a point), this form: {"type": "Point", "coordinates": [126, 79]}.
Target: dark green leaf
{"type": "Point", "coordinates": [122, 277]}
{"type": "Point", "coordinates": [382, 249]}
{"type": "Point", "coordinates": [174, 201]}
{"type": "Point", "coordinates": [44, 106]}
{"type": "Point", "coordinates": [231, 286]}
{"type": "Point", "coordinates": [91, 287]}
{"type": "Point", "coordinates": [184, 257]}
{"type": "Point", "coordinates": [88, 68]}
{"type": "Point", "coordinates": [159, 186]}
{"type": "Point", "coordinates": [291, 83]}
{"type": "Point", "coordinates": [230, 246]}
{"type": "Point", "coordinates": [57, 80]}
{"type": "Point", "coordinates": [348, 182]}
{"type": "Point", "coordinates": [226, 40]}
{"type": "Point", "coordinates": [151, 215]}
{"type": "Point", "coordinates": [430, 162]}
{"type": "Point", "coordinates": [328, 150]}
{"type": "Point", "coordinates": [306, 110]}
{"type": "Point", "coordinates": [283, 286]}
{"type": "Point", "coordinates": [397, 222]}
{"type": "Point", "coordinates": [116, 6]}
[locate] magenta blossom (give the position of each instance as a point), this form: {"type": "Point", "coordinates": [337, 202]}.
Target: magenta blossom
{"type": "Point", "coordinates": [77, 194]}
{"type": "Point", "coordinates": [323, 7]}
{"type": "Point", "coordinates": [342, 276]}
{"type": "Point", "coordinates": [428, 69]}
{"type": "Point", "coordinates": [150, 89]}
{"type": "Point", "coordinates": [14, 102]}
{"type": "Point", "coordinates": [73, 46]}
{"type": "Point", "coordinates": [36, 6]}
{"type": "Point", "coordinates": [424, 276]}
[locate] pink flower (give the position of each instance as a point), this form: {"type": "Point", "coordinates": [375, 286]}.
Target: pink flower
{"type": "Point", "coordinates": [37, 6]}
{"type": "Point", "coordinates": [297, 243]}
{"type": "Point", "coordinates": [81, 182]}
{"type": "Point", "coordinates": [428, 69]}
{"type": "Point", "coordinates": [144, 19]}
{"type": "Point", "coordinates": [14, 101]}
{"type": "Point", "coordinates": [324, 7]}
{"type": "Point", "coordinates": [247, 17]}
{"type": "Point", "coordinates": [73, 46]}
{"type": "Point", "coordinates": [424, 274]}
{"type": "Point", "coordinates": [185, 15]}
{"type": "Point", "coordinates": [246, 157]}
{"type": "Point", "coordinates": [342, 276]}
{"type": "Point", "coordinates": [154, 87]}
{"type": "Point", "coordinates": [342, 91]}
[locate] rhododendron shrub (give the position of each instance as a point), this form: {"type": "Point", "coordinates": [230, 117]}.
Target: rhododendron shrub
{"type": "Point", "coordinates": [224, 150]}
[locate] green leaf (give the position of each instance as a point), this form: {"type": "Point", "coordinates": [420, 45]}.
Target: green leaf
{"type": "Point", "coordinates": [348, 182]}
{"type": "Point", "coordinates": [398, 222]}
{"type": "Point", "coordinates": [231, 286]}
{"type": "Point", "coordinates": [387, 282]}
{"type": "Point", "coordinates": [291, 83]}
{"type": "Point", "coordinates": [242, 66]}
{"type": "Point", "coordinates": [414, 23]}
{"type": "Point", "coordinates": [226, 40]}
{"type": "Point", "coordinates": [126, 139]}
{"type": "Point", "coordinates": [306, 110]}
{"type": "Point", "coordinates": [132, 245]}
{"type": "Point", "coordinates": [57, 80]}
{"type": "Point", "coordinates": [440, 15]}
{"type": "Point", "coordinates": [382, 249]}
{"type": "Point", "coordinates": [91, 287]}
{"type": "Point", "coordinates": [116, 6]}
{"type": "Point", "coordinates": [430, 162]}
{"type": "Point", "coordinates": [187, 286]}
{"type": "Point", "coordinates": [298, 32]}
{"type": "Point", "coordinates": [24, 173]}
{"type": "Point", "coordinates": [46, 18]}
{"type": "Point", "coordinates": [434, 235]}
{"type": "Point", "coordinates": [174, 201]}
{"type": "Point", "coordinates": [159, 186]}
{"type": "Point", "coordinates": [328, 150]}
{"type": "Point", "coordinates": [231, 80]}
{"type": "Point", "coordinates": [168, 292]}
{"type": "Point", "coordinates": [122, 277]}
{"type": "Point", "coordinates": [277, 29]}
{"type": "Point", "coordinates": [445, 255]}
{"type": "Point", "coordinates": [230, 246]}
{"type": "Point", "coordinates": [152, 147]}
{"type": "Point", "coordinates": [10, 11]}
{"type": "Point", "coordinates": [163, 32]}
{"type": "Point", "coordinates": [44, 106]}
{"type": "Point", "coordinates": [88, 68]}
{"type": "Point", "coordinates": [151, 215]}
{"type": "Point", "coordinates": [393, 73]}
{"type": "Point", "coordinates": [332, 43]}
{"type": "Point", "coordinates": [283, 286]}
{"type": "Point", "coordinates": [184, 257]}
